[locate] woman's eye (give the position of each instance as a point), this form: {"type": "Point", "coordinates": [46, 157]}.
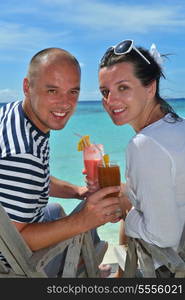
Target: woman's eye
{"type": "Point", "coordinates": [105, 93]}
{"type": "Point", "coordinates": [122, 88]}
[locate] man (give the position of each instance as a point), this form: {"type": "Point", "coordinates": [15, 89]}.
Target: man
{"type": "Point", "coordinates": [51, 91]}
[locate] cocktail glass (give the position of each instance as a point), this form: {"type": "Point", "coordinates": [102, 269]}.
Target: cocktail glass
{"type": "Point", "coordinates": [109, 175]}
{"type": "Point", "coordinates": [92, 155]}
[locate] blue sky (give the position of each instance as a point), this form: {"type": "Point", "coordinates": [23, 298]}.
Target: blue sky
{"type": "Point", "coordinates": [86, 28]}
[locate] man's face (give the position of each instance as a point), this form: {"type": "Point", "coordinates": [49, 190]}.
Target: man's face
{"type": "Point", "coordinates": [51, 96]}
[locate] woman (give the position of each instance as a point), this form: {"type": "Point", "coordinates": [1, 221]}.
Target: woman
{"type": "Point", "coordinates": [155, 157]}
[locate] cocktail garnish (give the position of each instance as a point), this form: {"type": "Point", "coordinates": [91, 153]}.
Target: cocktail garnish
{"type": "Point", "coordinates": [84, 142]}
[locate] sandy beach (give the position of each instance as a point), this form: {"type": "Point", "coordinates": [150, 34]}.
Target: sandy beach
{"type": "Point", "coordinates": [111, 259]}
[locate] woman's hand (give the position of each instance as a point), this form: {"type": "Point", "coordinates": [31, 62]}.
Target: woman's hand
{"type": "Point", "coordinates": [92, 186]}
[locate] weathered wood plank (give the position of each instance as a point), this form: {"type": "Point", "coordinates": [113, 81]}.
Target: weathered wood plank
{"type": "Point", "coordinates": [25, 263]}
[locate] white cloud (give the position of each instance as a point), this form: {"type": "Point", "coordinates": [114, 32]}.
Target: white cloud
{"type": "Point", "coordinates": [8, 95]}
{"type": "Point", "coordinates": [25, 37]}
{"type": "Point", "coordinates": [120, 17]}
{"type": "Point", "coordinates": [98, 16]}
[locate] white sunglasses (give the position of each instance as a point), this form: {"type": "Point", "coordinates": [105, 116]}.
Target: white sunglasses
{"type": "Point", "coordinates": [123, 48]}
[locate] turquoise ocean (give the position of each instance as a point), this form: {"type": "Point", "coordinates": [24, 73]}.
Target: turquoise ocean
{"type": "Point", "coordinates": [67, 163]}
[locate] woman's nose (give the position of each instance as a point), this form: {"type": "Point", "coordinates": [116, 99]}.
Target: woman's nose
{"type": "Point", "coordinates": [112, 98]}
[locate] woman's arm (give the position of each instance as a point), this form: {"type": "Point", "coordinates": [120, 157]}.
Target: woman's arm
{"type": "Point", "coordinates": [64, 189]}
{"type": "Point", "coordinates": [155, 217]}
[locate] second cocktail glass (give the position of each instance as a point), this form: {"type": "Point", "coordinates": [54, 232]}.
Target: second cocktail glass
{"type": "Point", "coordinates": [109, 175]}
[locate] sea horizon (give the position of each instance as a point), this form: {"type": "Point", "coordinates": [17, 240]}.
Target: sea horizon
{"type": "Point", "coordinates": [99, 100]}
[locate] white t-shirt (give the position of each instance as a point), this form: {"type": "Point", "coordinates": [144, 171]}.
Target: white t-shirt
{"type": "Point", "coordinates": [155, 182]}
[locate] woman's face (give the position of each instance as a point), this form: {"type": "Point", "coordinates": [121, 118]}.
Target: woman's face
{"type": "Point", "coordinates": [124, 97]}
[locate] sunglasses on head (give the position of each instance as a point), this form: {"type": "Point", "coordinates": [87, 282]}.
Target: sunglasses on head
{"type": "Point", "coordinates": [123, 48]}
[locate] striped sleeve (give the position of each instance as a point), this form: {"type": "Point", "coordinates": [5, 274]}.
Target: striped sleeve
{"type": "Point", "coordinates": [22, 184]}
{"type": "Point", "coordinates": [13, 137]}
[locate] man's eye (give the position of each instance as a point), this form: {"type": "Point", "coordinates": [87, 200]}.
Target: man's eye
{"type": "Point", "coordinates": [51, 91]}
{"type": "Point", "coordinates": [75, 92]}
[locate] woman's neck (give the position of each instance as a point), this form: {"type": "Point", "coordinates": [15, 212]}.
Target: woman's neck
{"type": "Point", "coordinates": [153, 115]}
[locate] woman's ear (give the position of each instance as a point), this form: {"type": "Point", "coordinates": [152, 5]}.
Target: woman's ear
{"type": "Point", "coordinates": [151, 89]}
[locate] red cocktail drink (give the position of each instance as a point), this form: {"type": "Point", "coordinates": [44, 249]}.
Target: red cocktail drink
{"type": "Point", "coordinates": [92, 156]}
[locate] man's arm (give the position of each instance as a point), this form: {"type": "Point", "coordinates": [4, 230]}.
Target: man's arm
{"type": "Point", "coordinates": [96, 212]}
{"type": "Point", "coordinates": [64, 189]}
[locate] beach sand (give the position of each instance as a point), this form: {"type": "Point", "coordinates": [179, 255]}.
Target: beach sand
{"type": "Point", "coordinates": [111, 259]}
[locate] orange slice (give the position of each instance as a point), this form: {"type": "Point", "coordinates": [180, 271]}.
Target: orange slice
{"type": "Point", "coordinates": [84, 142]}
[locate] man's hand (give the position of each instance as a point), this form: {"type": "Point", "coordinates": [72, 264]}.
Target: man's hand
{"type": "Point", "coordinates": [99, 210]}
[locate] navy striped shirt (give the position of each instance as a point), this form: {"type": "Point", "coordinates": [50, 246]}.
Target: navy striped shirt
{"type": "Point", "coordinates": [24, 165]}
